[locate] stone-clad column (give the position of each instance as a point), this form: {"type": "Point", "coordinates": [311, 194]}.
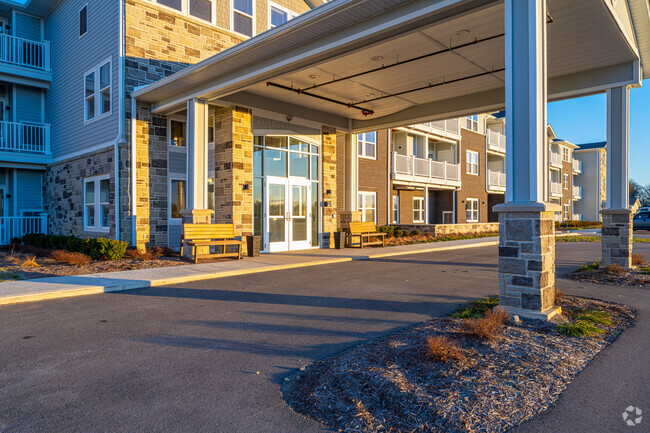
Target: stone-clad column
{"type": "Point", "coordinates": [617, 237]}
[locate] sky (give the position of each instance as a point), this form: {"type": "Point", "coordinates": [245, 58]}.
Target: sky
{"type": "Point", "coordinates": [583, 120]}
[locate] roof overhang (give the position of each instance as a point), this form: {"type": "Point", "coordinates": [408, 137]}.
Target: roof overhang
{"type": "Point", "coordinates": [405, 61]}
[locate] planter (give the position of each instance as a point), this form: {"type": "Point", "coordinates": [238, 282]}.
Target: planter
{"type": "Point", "coordinates": [253, 244]}
{"type": "Point", "coordinates": [339, 240]}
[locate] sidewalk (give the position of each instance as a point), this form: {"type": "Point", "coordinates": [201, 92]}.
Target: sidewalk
{"type": "Point", "coordinates": [12, 292]}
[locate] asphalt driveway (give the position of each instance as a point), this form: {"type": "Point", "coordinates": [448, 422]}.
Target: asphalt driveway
{"type": "Point", "coordinates": [210, 355]}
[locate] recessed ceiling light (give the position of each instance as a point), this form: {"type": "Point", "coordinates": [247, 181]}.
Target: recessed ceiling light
{"type": "Point", "coordinates": [377, 58]}
{"type": "Point", "coordinates": [462, 32]}
{"type": "Point", "coordinates": [369, 95]}
{"type": "Point", "coordinates": [314, 76]}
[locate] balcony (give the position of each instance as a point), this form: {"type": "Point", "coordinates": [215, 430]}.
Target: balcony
{"type": "Point", "coordinates": [495, 141]}
{"type": "Point", "coordinates": [577, 192]}
{"type": "Point", "coordinates": [17, 227]}
{"type": "Point", "coordinates": [577, 166]}
{"type": "Point", "coordinates": [451, 126]}
{"type": "Point", "coordinates": [425, 171]}
{"type": "Point", "coordinates": [555, 159]}
{"type": "Point", "coordinates": [496, 181]}
{"type": "Point", "coordinates": [558, 216]}
{"type": "Point", "coordinates": [556, 189]}
{"type": "Point", "coordinates": [576, 217]}
{"type": "Point", "coordinates": [25, 138]}
{"type": "Point", "coordinates": [24, 52]}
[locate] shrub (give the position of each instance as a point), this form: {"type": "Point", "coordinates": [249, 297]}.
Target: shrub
{"type": "Point", "coordinates": [415, 233]}
{"type": "Point", "coordinates": [577, 224]}
{"type": "Point", "coordinates": [483, 328]}
{"type": "Point", "coordinates": [637, 259]}
{"type": "Point", "coordinates": [135, 254]}
{"type": "Point", "coordinates": [588, 267]}
{"type": "Point", "coordinates": [477, 308]}
{"type": "Point", "coordinates": [97, 249]}
{"type": "Point", "coordinates": [34, 251]}
{"type": "Point", "coordinates": [498, 315]}
{"type": "Point", "coordinates": [614, 269]}
{"type": "Point", "coordinates": [442, 349]}
{"type": "Point", "coordinates": [599, 317]}
{"type": "Point", "coordinates": [16, 241]}
{"type": "Point", "coordinates": [579, 329]}
{"type": "Point", "coordinates": [162, 252]}
{"type": "Point", "coordinates": [75, 259]}
{"type": "Point", "coordinates": [559, 296]}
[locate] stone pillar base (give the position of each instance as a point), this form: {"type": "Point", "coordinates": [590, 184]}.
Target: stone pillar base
{"type": "Point", "coordinates": [196, 216]}
{"type": "Point", "coordinates": [617, 237]}
{"type": "Point", "coordinates": [527, 259]}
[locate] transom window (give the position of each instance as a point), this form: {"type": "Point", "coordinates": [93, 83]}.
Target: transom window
{"type": "Point", "coordinates": [367, 145]}
{"type": "Point", "coordinates": [201, 9]}
{"type": "Point", "coordinates": [471, 210]}
{"type": "Point", "coordinates": [472, 162]}
{"type": "Point", "coordinates": [418, 209]}
{"type": "Point", "coordinates": [242, 17]}
{"type": "Point", "coordinates": [96, 203]}
{"type": "Point", "coordinates": [472, 122]}
{"type": "Point", "coordinates": [279, 15]}
{"type": "Point", "coordinates": [97, 88]}
{"type": "Point", "coordinates": [368, 206]}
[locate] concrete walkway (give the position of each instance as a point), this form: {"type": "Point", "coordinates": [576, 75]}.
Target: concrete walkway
{"type": "Point", "coordinates": [12, 292]}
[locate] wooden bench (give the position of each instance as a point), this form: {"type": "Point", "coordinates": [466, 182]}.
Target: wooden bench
{"type": "Point", "coordinates": [208, 235]}
{"type": "Point", "coordinates": [367, 234]}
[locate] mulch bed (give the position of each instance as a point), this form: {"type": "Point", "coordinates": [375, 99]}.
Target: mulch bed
{"type": "Point", "coordinates": [388, 385]}
{"type": "Point", "coordinates": [428, 237]}
{"type": "Point", "coordinates": [628, 277]}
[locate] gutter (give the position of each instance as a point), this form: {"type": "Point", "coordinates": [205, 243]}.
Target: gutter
{"type": "Point", "coordinates": [120, 135]}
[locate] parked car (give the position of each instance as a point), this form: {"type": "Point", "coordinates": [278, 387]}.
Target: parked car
{"type": "Point", "coordinates": [643, 209]}
{"type": "Point", "coordinates": [641, 221]}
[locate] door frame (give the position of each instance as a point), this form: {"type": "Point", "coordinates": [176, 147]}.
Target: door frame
{"type": "Point", "coordinates": [288, 244]}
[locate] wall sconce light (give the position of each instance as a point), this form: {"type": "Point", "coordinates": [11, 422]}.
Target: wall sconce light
{"type": "Point", "coordinates": [246, 186]}
{"type": "Point", "coordinates": [328, 191]}
{"type": "Point", "coordinates": [289, 117]}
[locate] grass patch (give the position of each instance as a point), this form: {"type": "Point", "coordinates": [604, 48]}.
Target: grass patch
{"type": "Point", "coordinates": [477, 308]}
{"type": "Point", "coordinates": [645, 270]}
{"type": "Point", "coordinates": [442, 349]}
{"type": "Point", "coordinates": [580, 328]}
{"type": "Point", "coordinates": [6, 275]}
{"type": "Point", "coordinates": [588, 267]}
{"type": "Point", "coordinates": [598, 317]}
{"type": "Point", "coordinates": [594, 239]}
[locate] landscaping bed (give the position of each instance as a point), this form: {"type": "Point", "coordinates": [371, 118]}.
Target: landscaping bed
{"type": "Point", "coordinates": [415, 237]}
{"type": "Point", "coordinates": [579, 238]}
{"type": "Point", "coordinates": [440, 376]}
{"type": "Point", "coordinates": [614, 274]}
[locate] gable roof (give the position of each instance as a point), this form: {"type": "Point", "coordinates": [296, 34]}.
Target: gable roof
{"type": "Point", "coordinates": [591, 146]}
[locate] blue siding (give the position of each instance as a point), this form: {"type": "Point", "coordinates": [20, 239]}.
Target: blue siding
{"type": "Point", "coordinates": [177, 162]}
{"type": "Point", "coordinates": [27, 26]}
{"type": "Point", "coordinates": [72, 57]}
{"type": "Point", "coordinates": [174, 232]}
{"type": "Point", "coordinates": [29, 104]}
{"type": "Point", "coordinates": [30, 190]}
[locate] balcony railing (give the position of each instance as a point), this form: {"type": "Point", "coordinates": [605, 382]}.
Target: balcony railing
{"type": "Point", "coordinates": [420, 169]}
{"type": "Point", "coordinates": [577, 166]}
{"type": "Point", "coordinates": [495, 141]}
{"type": "Point", "coordinates": [577, 192]}
{"type": "Point", "coordinates": [556, 188]}
{"type": "Point", "coordinates": [449, 125]}
{"type": "Point", "coordinates": [24, 52]}
{"type": "Point", "coordinates": [17, 227]}
{"type": "Point", "coordinates": [576, 217]}
{"type": "Point", "coordinates": [496, 180]}
{"type": "Point", "coordinates": [24, 137]}
{"type": "Point", "coordinates": [558, 216]}
{"type": "Point", "coordinates": [556, 159]}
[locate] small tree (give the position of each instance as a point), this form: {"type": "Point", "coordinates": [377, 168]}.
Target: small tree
{"type": "Point", "coordinates": [641, 192]}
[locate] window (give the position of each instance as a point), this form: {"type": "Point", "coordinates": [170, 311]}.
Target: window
{"type": "Point", "coordinates": [566, 181]}
{"type": "Point", "coordinates": [395, 219]}
{"type": "Point", "coordinates": [566, 212]}
{"type": "Point", "coordinates": [279, 15]}
{"type": "Point", "coordinates": [97, 87]}
{"type": "Point", "coordinates": [202, 9]}
{"type": "Point", "coordinates": [472, 162]}
{"type": "Point", "coordinates": [242, 17]}
{"type": "Point", "coordinates": [367, 145]}
{"type": "Point", "coordinates": [472, 122]}
{"type": "Point", "coordinates": [368, 206]}
{"type": "Point", "coordinates": [96, 203]}
{"type": "Point", "coordinates": [83, 20]}
{"type": "Point", "coordinates": [471, 210]}
{"type": "Point", "coordinates": [177, 197]}
{"type": "Point", "coordinates": [447, 217]}
{"type": "Point", "coordinates": [177, 133]}
{"type": "Point", "coordinates": [418, 210]}
{"type": "Point", "coordinates": [566, 154]}
{"type": "Point", "coordinates": [211, 194]}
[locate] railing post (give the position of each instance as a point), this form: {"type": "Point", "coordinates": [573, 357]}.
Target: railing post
{"type": "Point", "coordinates": [43, 216]}
{"type": "Point", "coordinates": [46, 55]}
{"type": "Point", "coordinates": [445, 173]}
{"type": "Point", "coordinates": [412, 165]}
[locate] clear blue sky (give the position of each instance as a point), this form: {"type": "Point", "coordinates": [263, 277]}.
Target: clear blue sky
{"type": "Point", "coordinates": [583, 120]}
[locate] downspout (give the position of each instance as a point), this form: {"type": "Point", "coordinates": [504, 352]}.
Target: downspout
{"type": "Point", "coordinates": [389, 196]}
{"type": "Point", "coordinates": [120, 135]}
{"type": "Point", "coordinates": [134, 201]}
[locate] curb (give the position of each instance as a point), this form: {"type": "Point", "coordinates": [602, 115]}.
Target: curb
{"type": "Point", "coordinates": [83, 290]}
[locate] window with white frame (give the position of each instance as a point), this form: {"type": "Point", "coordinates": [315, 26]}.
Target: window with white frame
{"type": "Point", "coordinates": [177, 197]}
{"type": "Point", "coordinates": [472, 122]}
{"type": "Point", "coordinates": [279, 15]}
{"type": "Point", "coordinates": [395, 218]}
{"type": "Point", "coordinates": [566, 181]}
{"type": "Point", "coordinates": [83, 20]}
{"type": "Point", "coordinates": [97, 87]}
{"type": "Point", "coordinates": [368, 206]}
{"type": "Point", "coordinates": [367, 145]}
{"type": "Point", "coordinates": [418, 209]}
{"type": "Point", "coordinates": [471, 210]}
{"type": "Point", "coordinates": [566, 211]}
{"type": "Point", "coordinates": [177, 133]}
{"type": "Point", "coordinates": [472, 162]}
{"type": "Point", "coordinates": [566, 154]}
{"type": "Point", "coordinates": [201, 9]}
{"type": "Point", "coordinates": [96, 203]}
{"type": "Point", "coordinates": [242, 17]}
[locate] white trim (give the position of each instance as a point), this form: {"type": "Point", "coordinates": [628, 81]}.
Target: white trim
{"type": "Point", "coordinates": [290, 14]}
{"type": "Point", "coordinates": [362, 204]}
{"type": "Point", "coordinates": [471, 164]}
{"type": "Point", "coordinates": [471, 211]}
{"type": "Point", "coordinates": [170, 146]}
{"type": "Point", "coordinates": [364, 142]}
{"type": "Point", "coordinates": [83, 152]}
{"type": "Point", "coordinates": [252, 17]}
{"type": "Point", "coordinates": [97, 203]}
{"type": "Point", "coordinates": [393, 209]}
{"type": "Point", "coordinates": [98, 91]}
{"type": "Point", "coordinates": [420, 211]}
{"type": "Point", "coordinates": [185, 11]}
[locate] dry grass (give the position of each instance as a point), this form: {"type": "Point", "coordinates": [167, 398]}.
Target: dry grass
{"type": "Point", "coordinates": [162, 252]}
{"type": "Point", "coordinates": [488, 327]}
{"type": "Point", "coordinates": [559, 296]}
{"type": "Point", "coordinates": [74, 259]}
{"type": "Point", "coordinates": [637, 259]}
{"type": "Point", "coordinates": [614, 269]}
{"type": "Point", "coordinates": [498, 315]}
{"type": "Point", "coordinates": [442, 349]}
{"type": "Point", "coordinates": [29, 262]}
{"type": "Point", "coordinates": [135, 254]}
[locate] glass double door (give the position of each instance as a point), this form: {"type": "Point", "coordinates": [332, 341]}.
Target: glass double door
{"type": "Point", "coordinates": [288, 214]}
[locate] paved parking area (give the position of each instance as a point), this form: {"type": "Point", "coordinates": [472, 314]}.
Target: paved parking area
{"type": "Point", "coordinates": [210, 355]}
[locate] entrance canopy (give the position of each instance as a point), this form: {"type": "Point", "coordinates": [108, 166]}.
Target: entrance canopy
{"type": "Point", "coordinates": [368, 64]}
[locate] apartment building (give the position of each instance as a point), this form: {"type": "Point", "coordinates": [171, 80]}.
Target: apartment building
{"type": "Point", "coordinates": [593, 180]}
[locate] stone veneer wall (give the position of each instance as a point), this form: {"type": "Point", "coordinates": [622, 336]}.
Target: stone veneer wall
{"type": "Point", "coordinates": [452, 229]}
{"type": "Point", "coordinates": [329, 179]}
{"type": "Point", "coordinates": [603, 179]}
{"type": "Point", "coordinates": [64, 193]}
{"type": "Point", "coordinates": [617, 237]}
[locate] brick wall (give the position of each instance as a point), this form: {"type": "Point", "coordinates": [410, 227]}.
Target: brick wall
{"type": "Point", "coordinates": [373, 176]}
{"type": "Point", "coordinates": [329, 159]}
{"type": "Point", "coordinates": [406, 204]}
{"type": "Point", "coordinates": [472, 186]}
{"type": "Point", "coordinates": [567, 194]}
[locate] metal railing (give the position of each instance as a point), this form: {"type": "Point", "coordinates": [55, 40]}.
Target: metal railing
{"type": "Point", "coordinates": [496, 141]}
{"type": "Point", "coordinates": [17, 227]}
{"type": "Point", "coordinates": [24, 52]}
{"type": "Point", "coordinates": [412, 166]}
{"type": "Point", "coordinates": [556, 188]}
{"type": "Point", "coordinates": [577, 166]}
{"type": "Point", "coordinates": [449, 125]}
{"type": "Point", "coordinates": [577, 192]}
{"type": "Point", "coordinates": [556, 158]}
{"type": "Point", "coordinates": [24, 137]}
{"type": "Point", "coordinates": [496, 179]}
